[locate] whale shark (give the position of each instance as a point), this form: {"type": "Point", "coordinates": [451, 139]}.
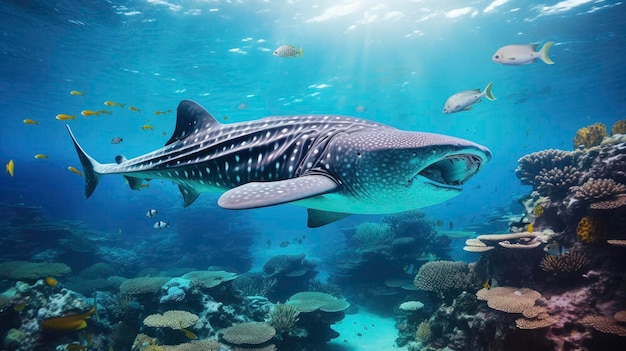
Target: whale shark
{"type": "Point", "coordinates": [333, 165]}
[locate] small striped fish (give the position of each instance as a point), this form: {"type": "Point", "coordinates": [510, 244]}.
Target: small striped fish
{"type": "Point", "coordinates": [288, 51]}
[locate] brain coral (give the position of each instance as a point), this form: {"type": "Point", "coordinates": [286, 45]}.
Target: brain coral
{"type": "Point", "coordinates": [441, 276]}
{"type": "Point", "coordinates": [248, 333]}
{"type": "Point", "coordinates": [589, 136]}
{"type": "Point", "coordinates": [619, 127]}
{"type": "Point", "coordinates": [32, 270]}
{"type": "Point", "coordinates": [174, 319]}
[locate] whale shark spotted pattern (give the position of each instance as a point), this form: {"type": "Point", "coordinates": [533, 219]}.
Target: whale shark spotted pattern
{"type": "Point", "coordinates": [332, 165]}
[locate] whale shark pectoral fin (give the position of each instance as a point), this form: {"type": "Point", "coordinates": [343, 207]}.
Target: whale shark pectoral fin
{"type": "Point", "coordinates": [318, 218]}
{"type": "Point", "coordinates": [262, 194]}
{"type": "Point", "coordinates": [189, 194]}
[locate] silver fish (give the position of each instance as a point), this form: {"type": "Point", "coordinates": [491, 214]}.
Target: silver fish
{"type": "Point", "coordinates": [517, 55]}
{"type": "Point", "coordinates": [332, 165]}
{"type": "Point", "coordinates": [463, 101]}
{"type": "Point", "coordinates": [288, 51]}
{"type": "Point", "coordinates": [151, 213]}
{"type": "Point", "coordinates": [116, 140]}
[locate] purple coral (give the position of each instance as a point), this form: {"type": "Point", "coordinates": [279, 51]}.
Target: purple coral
{"type": "Point", "coordinates": [530, 165]}
{"type": "Point", "coordinates": [556, 182]}
{"type": "Point", "coordinates": [599, 189]}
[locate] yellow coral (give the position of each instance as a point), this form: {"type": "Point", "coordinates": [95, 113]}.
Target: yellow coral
{"type": "Point", "coordinates": [619, 127]}
{"type": "Point", "coordinates": [590, 136]}
{"type": "Point", "coordinates": [591, 229]}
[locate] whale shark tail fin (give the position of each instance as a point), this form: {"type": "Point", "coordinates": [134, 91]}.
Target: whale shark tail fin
{"type": "Point", "coordinates": [88, 163]}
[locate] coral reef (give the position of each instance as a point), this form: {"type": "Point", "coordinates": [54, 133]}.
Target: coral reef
{"type": "Point", "coordinates": [284, 317]}
{"type": "Point", "coordinates": [619, 127]}
{"type": "Point", "coordinates": [567, 264]}
{"type": "Point", "coordinates": [591, 229]}
{"type": "Point", "coordinates": [248, 333]}
{"type": "Point", "coordinates": [590, 136]}
{"type": "Point", "coordinates": [31, 271]}
{"type": "Point", "coordinates": [599, 189]}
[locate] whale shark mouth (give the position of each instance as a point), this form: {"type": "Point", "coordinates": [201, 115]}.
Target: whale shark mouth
{"type": "Point", "coordinates": [451, 171]}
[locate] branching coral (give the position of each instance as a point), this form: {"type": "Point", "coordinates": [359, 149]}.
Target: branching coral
{"type": "Point", "coordinates": [591, 229]}
{"type": "Point", "coordinates": [565, 265]}
{"type": "Point", "coordinates": [599, 189]}
{"type": "Point", "coordinates": [284, 317]}
{"type": "Point", "coordinates": [530, 165]}
{"type": "Point", "coordinates": [589, 136]}
{"type": "Point", "coordinates": [556, 181]}
{"type": "Point", "coordinates": [370, 236]}
{"type": "Point", "coordinates": [423, 332]}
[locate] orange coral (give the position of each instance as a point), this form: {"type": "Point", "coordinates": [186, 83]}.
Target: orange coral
{"type": "Point", "coordinates": [619, 127]}
{"type": "Point", "coordinates": [591, 229]}
{"type": "Point", "coordinates": [590, 136]}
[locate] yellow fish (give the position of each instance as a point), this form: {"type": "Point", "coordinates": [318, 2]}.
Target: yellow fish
{"type": "Point", "coordinates": [538, 211]}
{"type": "Point", "coordinates": [147, 127]}
{"type": "Point", "coordinates": [67, 323]}
{"type": "Point", "coordinates": [88, 113]}
{"type": "Point", "coordinates": [41, 156]}
{"type": "Point", "coordinates": [51, 281]}
{"type": "Point", "coordinates": [188, 333]}
{"type": "Point", "coordinates": [162, 112]}
{"type": "Point", "coordinates": [64, 117]}
{"type": "Point", "coordinates": [144, 185]}
{"type": "Point", "coordinates": [113, 103]}
{"type": "Point", "coordinates": [31, 121]}
{"type": "Point", "coordinates": [76, 92]}
{"type": "Point", "coordinates": [529, 228]}
{"type": "Point", "coordinates": [10, 167]}
{"type": "Point", "coordinates": [133, 108]}
{"type": "Point", "coordinates": [487, 284]}
{"type": "Point", "coordinates": [74, 170]}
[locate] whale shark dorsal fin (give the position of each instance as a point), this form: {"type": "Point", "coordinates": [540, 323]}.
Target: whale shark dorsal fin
{"type": "Point", "coordinates": [191, 117]}
{"type": "Point", "coordinates": [262, 194]}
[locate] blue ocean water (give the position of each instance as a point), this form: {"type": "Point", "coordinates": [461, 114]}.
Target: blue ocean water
{"type": "Point", "coordinates": [392, 62]}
